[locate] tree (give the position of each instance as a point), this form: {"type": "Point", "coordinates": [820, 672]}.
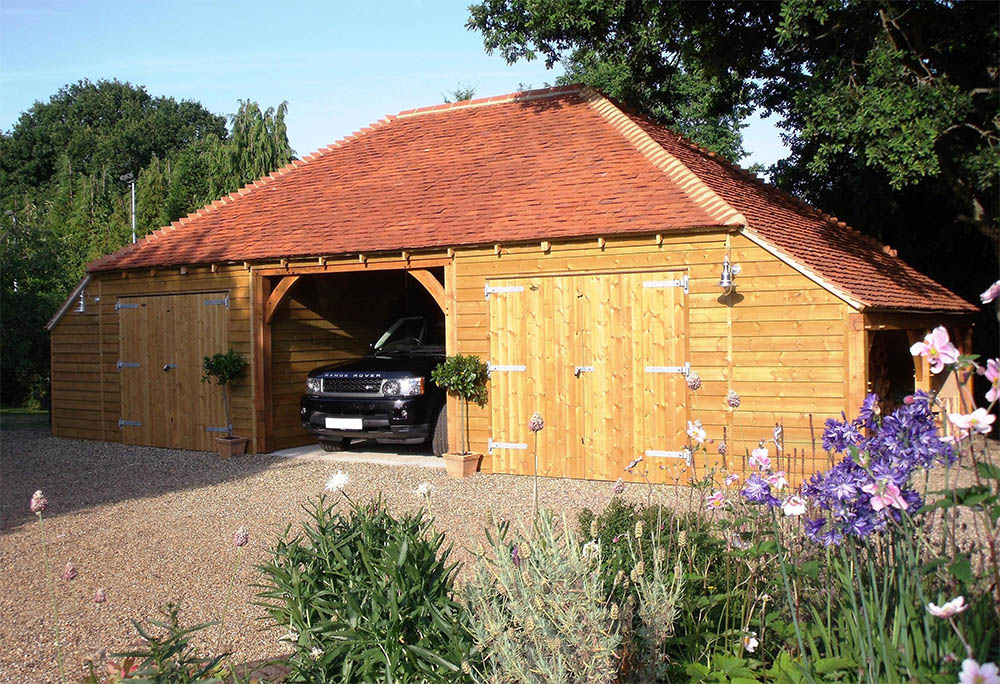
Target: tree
{"type": "Point", "coordinates": [891, 108]}
{"type": "Point", "coordinates": [65, 205]}
{"type": "Point", "coordinates": [910, 89]}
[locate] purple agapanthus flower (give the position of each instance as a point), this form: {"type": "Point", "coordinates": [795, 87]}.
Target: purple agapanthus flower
{"type": "Point", "coordinates": [839, 435]}
{"type": "Point", "coordinates": [891, 450]}
{"type": "Point", "coordinates": [758, 491]}
{"type": "Point", "coordinates": [868, 413]}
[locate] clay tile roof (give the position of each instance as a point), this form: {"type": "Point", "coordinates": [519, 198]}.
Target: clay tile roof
{"type": "Point", "coordinates": [539, 165]}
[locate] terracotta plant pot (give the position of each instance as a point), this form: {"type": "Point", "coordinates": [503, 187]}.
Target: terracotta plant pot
{"type": "Point", "coordinates": [461, 465]}
{"type": "Point", "coordinates": [231, 446]}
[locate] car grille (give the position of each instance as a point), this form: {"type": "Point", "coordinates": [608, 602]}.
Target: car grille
{"type": "Point", "coordinates": [352, 385]}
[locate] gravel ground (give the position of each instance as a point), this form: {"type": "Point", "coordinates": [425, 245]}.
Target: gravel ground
{"type": "Point", "coordinates": [153, 525]}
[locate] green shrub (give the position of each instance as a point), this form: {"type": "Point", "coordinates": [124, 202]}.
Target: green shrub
{"type": "Point", "coordinates": [167, 656]}
{"type": "Point", "coordinates": [465, 376]}
{"type": "Point", "coordinates": [539, 611]}
{"type": "Point", "coordinates": [367, 597]}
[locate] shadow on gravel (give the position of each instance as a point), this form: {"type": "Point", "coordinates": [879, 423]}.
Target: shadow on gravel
{"type": "Point", "coordinates": [78, 474]}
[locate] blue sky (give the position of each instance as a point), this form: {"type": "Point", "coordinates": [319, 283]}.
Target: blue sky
{"type": "Point", "coordinates": [340, 65]}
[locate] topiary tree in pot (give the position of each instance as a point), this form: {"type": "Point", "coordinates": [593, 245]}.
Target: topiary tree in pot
{"type": "Point", "coordinates": [224, 368]}
{"type": "Point", "coordinates": [466, 377]}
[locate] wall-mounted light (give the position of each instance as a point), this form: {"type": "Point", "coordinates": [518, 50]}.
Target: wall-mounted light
{"type": "Point", "coordinates": [729, 271]}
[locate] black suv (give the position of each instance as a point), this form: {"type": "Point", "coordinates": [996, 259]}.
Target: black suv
{"type": "Point", "coordinates": [387, 395]}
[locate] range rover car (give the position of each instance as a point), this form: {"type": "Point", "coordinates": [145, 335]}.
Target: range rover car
{"type": "Point", "coordinates": [386, 395]}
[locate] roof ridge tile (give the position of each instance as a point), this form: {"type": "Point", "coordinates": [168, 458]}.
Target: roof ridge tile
{"type": "Point", "coordinates": [694, 187]}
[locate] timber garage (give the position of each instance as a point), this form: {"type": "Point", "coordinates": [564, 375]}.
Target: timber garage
{"type": "Point", "coordinates": [586, 253]}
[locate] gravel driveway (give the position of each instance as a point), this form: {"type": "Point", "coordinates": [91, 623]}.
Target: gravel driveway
{"type": "Point", "coordinates": [152, 525]}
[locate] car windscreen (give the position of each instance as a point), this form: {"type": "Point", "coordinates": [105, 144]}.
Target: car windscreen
{"type": "Point", "coordinates": [412, 334]}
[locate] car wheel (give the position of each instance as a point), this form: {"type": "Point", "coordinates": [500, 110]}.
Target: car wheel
{"type": "Point", "coordinates": [439, 439]}
{"type": "Point", "coordinates": [334, 444]}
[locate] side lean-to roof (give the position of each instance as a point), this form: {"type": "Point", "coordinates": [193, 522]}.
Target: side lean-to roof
{"type": "Point", "coordinates": [541, 165]}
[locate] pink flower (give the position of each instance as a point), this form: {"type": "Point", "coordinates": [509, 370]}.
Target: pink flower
{"type": "Point", "coordinates": [992, 292]}
{"type": "Point", "coordinates": [884, 495]}
{"type": "Point", "coordinates": [759, 458]}
{"type": "Point", "coordinates": [732, 399]}
{"type": "Point", "coordinates": [992, 373]}
{"type": "Point", "coordinates": [70, 572]}
{"type": "Point", "coordinates": [696, 432]}
{"type": "Point", "coordinates": [536, 423]}
{"type": "Point", "coordinates": [978, 421]}
{"type": "Point", "coordinates": [937, 349]}
{"type": "Point", "coordinates": [794, 505]}
{"type": "Point", "coordinates": [633, 463]}
{"type": "Point", "coordinates": [777, 480]}
{"type": "Point", "coordinates": [100, 596]}
{"type": "Point", "coordinates": [694, 381]}
{"type": "Point", "coordinates": [716, 500]}
{"type": "Point", "coordinates": [731, 478]}
{"type": "Point", "coordinates": [619, 486]}
{"type": "Point", "coordinates": [974, 673]}
{"type": "Point", "coordinates": [38, 502]}
{"type": "Point", "coordinates": [241, 538]}
{"type": "Point", "coordinates": [723, 448]}
{"type": "Point", "coordinates": [948, 609]}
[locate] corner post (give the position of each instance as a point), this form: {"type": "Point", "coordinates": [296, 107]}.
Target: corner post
{"type": "Point", "coordinates": [261, 359]}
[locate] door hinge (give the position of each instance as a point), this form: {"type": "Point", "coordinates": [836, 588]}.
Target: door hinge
{"type": "Point", "coordinates": [218, 302]}
{"type": "Point", "coordinates": [125, 305]}
{"type": "Point", "coordinates": [506, 445]}
{"type": "Point", "coordinates": [515, 368]}
{"type": "Point", "coordinates": [217, 429]}
{"type": "Point", "coordinates": [680, 282]}
{"type": "Point", "coordinates": [684, 454]}
{"type": "Point", "coordinates": [684, 370]}
{"type": "Point", "coordinates": [501, 289]}
{"type": "Point", "coordinates": [122, 423]}
{"type": "Point", "coordinates": [128, 364]}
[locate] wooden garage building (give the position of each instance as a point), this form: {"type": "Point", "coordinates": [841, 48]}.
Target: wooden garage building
{"type": "Point", "coordinates": [575, 246]}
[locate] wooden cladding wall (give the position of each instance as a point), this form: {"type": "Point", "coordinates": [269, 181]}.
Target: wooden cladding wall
{"type": "Point", "coordinates": [76, 372]}
{"type": "Point", "coordinates": [78, 384]}
{"type": "Point", "coordinates": [326, 319]}
{"type": "Point", "coordinates": [779, 340]}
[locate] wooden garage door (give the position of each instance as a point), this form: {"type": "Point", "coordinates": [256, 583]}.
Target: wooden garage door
{"type": "Point", "coordinates": [163, 339]}
{"type": "Point", "coordinates": [600, 357]}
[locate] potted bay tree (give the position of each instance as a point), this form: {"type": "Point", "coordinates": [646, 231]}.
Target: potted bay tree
{"type": "Point", "coordinates": [224, 368]}
{"type": "Point", "coordinates": [465, 376]}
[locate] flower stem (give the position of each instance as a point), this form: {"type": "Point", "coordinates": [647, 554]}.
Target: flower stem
{"type": "Point", "coordinates": [806, 669]}
{"type": "Point", "coordinates": [229, 592]}
{"type": "Point", "coordinates": [52, 597]}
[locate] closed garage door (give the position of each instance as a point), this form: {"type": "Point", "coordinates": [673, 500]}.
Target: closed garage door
{"type": "Point", "coordinates": [162, 341]}
{"type": "Point", "coordinates": [601, 357]}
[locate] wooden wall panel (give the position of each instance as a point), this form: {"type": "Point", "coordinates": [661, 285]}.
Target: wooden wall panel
{"type": "Point", "coordinates": [110, 287]}
{"type": "Point", "coordinates": [779, 341]}
{"type": "Point", "coordinates": [76, 371]}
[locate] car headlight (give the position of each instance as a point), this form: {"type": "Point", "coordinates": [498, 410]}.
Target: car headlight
{"type": "Point", "coordinates": [314, 385]}
{"type": "Point", "coordinates": [403, 387]}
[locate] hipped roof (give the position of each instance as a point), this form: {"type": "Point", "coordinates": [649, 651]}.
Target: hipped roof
{"type": "Point", "coordinates": [546, 164]}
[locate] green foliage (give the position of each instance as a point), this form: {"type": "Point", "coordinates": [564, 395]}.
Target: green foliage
{"type": "Point", "coordinates": [64, 204]}
{"type": "Point", "coordinates": [367, 597]}
{"type": "Point", "coordinates": [465, 376]}
{"type": "Point", "coordinates": [223, 367]}
{"type": "Point", "coordinates": [539, 611]}
{"type": "Point", "coordinates": [167, 656]}
{"type": "Point", "coordinates": [460, 94]}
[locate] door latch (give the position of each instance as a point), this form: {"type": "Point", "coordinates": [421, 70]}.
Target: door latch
{"type": "Point", "coordinates": [168, 366]}
{"type": "Point", "coordinates": [582, 369]}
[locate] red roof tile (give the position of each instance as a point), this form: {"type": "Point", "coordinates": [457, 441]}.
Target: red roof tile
{"type": "Point", "coordinates": [556, 163]}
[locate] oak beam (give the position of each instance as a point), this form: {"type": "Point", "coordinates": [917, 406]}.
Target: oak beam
{"type": "Point", "coordinates": [433, 287]}
{"type": "Point", "coordinates": [277, 296]}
